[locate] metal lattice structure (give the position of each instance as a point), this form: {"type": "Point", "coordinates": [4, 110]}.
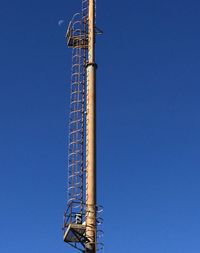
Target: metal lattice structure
{"type": "Point", "coordinates": [82, 216]}
{"type": "Point", "coordinates": [77, 115]}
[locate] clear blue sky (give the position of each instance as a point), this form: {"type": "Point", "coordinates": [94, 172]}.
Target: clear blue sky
{"type": "Point", "coordinates": [148, 125]}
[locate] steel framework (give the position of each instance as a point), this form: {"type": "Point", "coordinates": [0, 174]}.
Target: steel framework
{"type": "Point", "coordinates": [82, 217]}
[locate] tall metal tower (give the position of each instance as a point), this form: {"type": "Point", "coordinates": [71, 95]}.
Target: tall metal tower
{"type": "Point", "coordinates": [81, 219]}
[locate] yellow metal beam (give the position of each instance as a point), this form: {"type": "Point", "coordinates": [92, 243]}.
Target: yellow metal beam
{"type": "Point", "coordinates": [91, 136]}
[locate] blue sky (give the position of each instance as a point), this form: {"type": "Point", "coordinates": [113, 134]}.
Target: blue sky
{"type": "Point", "coordinates": [148, 124]}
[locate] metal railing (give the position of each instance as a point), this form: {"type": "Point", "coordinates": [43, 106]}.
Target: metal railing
{"type": "Point", "coordinates": [70, 217]}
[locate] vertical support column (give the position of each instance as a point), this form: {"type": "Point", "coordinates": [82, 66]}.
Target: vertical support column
{"type": "Point", "coordinates": [91, 135]}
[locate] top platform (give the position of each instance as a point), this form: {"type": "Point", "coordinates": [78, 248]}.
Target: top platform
{"type": "Point", "coordinates": [76, 38]}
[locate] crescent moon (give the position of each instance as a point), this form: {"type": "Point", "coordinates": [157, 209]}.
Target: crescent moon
{"type": "Point", "coordinates": [60, 22]}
